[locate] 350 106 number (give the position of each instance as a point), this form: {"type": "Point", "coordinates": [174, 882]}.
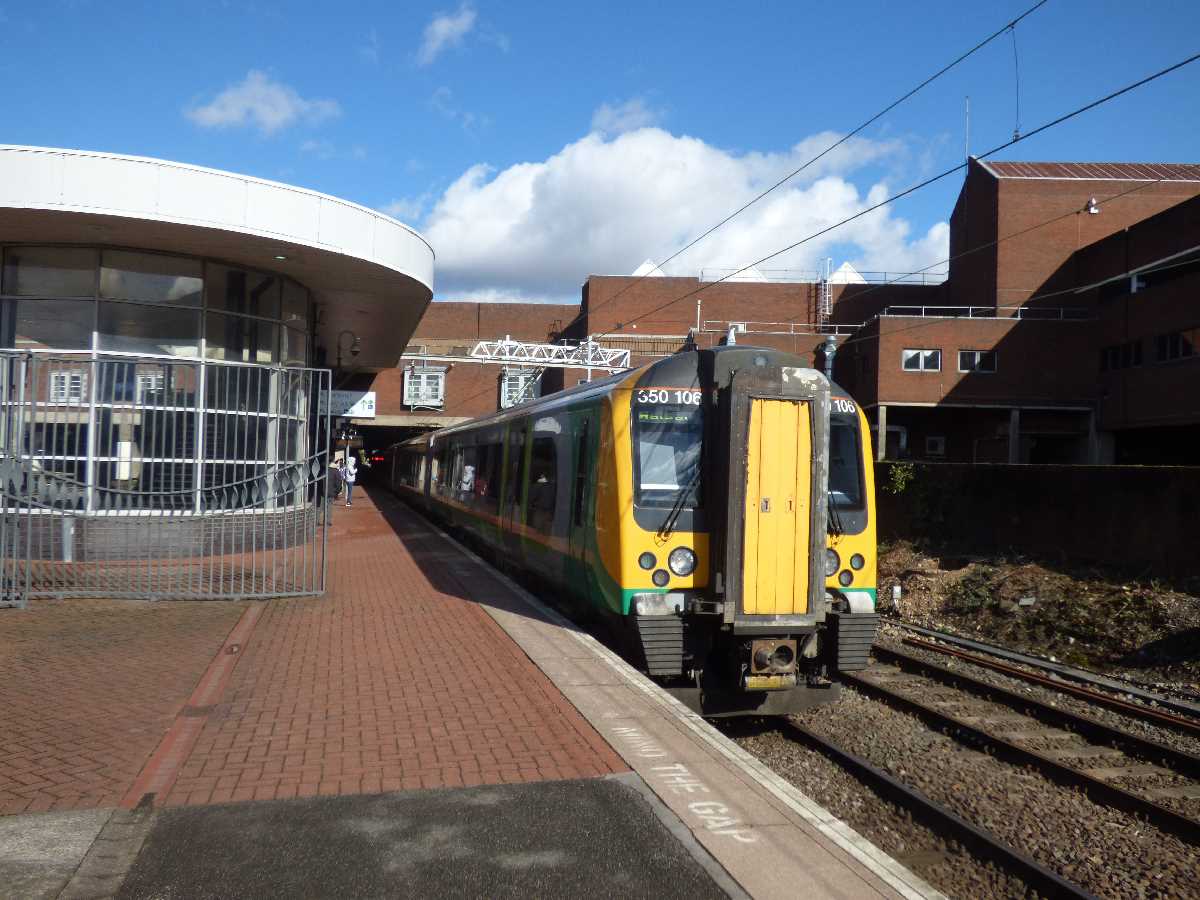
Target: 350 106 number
{"type": "Point", "coordinates": [843, 406]}
{"type": "Point", "coordinates": [676, 396]}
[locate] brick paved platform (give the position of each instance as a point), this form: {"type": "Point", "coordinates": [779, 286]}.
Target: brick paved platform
{"type": "Point", "coordinates": [397, 679]}
{"type": "Point", "coordinates": [87, 690]}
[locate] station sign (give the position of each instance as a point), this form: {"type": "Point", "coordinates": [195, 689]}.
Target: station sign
{"type": "Point", "coordinates": [349, 404]}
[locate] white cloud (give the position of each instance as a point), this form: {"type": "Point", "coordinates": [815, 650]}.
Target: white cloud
{"type": "Point", "coordinates": [628, 116]}
{"type": "Point", "coordinates": [406, 209]}
{"type": "Point", "coordinates": [262, 103]}
{"type": "Point", "coordinates": [536, 230]}
{"type": "Point", "coordinates": [445, 31]}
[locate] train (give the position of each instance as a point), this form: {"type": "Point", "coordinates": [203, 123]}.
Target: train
{"type": "Point", "coordinates": [712, 512]}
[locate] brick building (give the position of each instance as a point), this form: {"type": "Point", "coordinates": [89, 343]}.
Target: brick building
{"type": "Point", "coordinates": [434, 386]}
{"type": "Point", "coordinates": [1007, 365]}
{"type": "Point", "coordinates": [1066, 331]}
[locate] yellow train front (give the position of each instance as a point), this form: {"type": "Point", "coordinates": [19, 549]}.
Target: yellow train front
{"type": "Point", "coordinates": [715, 509]}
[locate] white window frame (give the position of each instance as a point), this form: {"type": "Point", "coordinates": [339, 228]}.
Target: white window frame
{"type": "Point", "coordinates": [424, 387]}
{"type": "Point", "coordinates": [61, 386]}
{"type": "Point", "coordinates": [935, 445]}
{"type": "Point", "coordinates": [919, 354]}
{"type": "Point", "coordinates": [514, 384]}
{"type": "Point", "coordinates": [149, 382]}
{"type": "Point", "coordinates": [979, 355]}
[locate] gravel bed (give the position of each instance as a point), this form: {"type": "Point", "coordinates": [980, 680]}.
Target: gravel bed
{"type": "Point", "coordinates": [1103, 850]}
{"type": "Point", "coordinates": [956, 873]}
{"type": "Point", "coordinates": [928, 689]}
{"type": "Point", "coordinates": [890, 637]}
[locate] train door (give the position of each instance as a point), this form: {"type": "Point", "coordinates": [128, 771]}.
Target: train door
{"type": "Point", "coordinates": [511, 497]}
{"type": "Point", "coordinates": [776, 500]}
{"type": "Point", "coordinates": [775, 560]}
{"type": "Point", "coordinates": [579, 526]}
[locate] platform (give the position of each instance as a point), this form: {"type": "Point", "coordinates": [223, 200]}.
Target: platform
{"type": "Point", "coordinates": [427, 723]}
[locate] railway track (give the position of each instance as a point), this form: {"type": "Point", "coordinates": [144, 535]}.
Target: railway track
{"type": "Point", "coordinates": [1097, 688]}
{"type": "Point", "coordinates": [1129, 772]}
{"type": "Point", "coordinates": [941, 820]}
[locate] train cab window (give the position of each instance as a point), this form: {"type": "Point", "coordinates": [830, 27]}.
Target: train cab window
{"type": "Point", "coordinates": [539, 510]}
{"type": "Point", "coordinates": [845, 467]}
{"type": "Point", "coordinates": [667, 461]}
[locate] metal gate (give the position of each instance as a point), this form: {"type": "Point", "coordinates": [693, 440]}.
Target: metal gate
{"type": "Point", "coordinates": [160, 478]}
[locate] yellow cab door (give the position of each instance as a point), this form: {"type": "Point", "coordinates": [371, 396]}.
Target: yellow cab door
{"type": "Point", "coordinates": [775, 557]}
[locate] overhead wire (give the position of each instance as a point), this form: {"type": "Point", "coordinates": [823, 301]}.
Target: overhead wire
{"type": "Point", "coordinates": [920, 185]}
{"type": "Point", "coordinates": [932, 78]}
{"type": "Point", "coordinates": [1015, 234]}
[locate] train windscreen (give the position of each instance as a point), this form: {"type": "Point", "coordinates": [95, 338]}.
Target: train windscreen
{"type": "Point", "coordinates": [845, 463]}
{"type": "Point", "coordinates": [667, 462]}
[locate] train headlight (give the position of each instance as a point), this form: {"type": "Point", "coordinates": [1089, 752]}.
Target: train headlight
{"type": "Point", "coordinates": [660, 577]}
{"type": "Point", "coordinates": [845, 578]}
{"type": "Point", "coordinates": [647, 561]}
{"type": "Point", "coordinates": [833, 562]}
{"type": "Point", "coordinates": [857, 561]}
{"type": "Point", "coordinates": [682, 561]}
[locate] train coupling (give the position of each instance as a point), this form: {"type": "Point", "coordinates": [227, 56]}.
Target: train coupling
{"type": "Point", "coordinates": [772, 665]}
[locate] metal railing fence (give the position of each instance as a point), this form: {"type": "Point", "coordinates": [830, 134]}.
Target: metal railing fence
{"type": "Point", "coordinates": [160, 478]}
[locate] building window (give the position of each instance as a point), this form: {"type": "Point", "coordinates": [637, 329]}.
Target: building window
{"type": "Point", "coordinates": [977, 360]}
{"type": "Point", "coordinates": [67, 387]}
{"type": "Point", "coordinates": [424, 388]}
{"type": "Point", "coordinates": [517, 386]}
{"type": "Point", "coordinates": [1121, 356]}
{"type": "Point", "coordinates": [921, 360]}
{"type": "Point", "coordinates": [1177, 345]}
{"type": "Point", "coordinates": [150, 386]}
{"type": "Point", "coordinates": [935, 445]}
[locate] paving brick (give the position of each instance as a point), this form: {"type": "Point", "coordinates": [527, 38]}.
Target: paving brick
{"type": "Point", "coordinates": [344, 694]}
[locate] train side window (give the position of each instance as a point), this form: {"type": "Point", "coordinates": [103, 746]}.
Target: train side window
{"type": "Point", "coordinates": [581, 474]}
{"type": "Point", "coordinates": [466, 469]}
{"type": "Point", "coordinates": [487, 478]}
{"type": "Point", "coordinates": [539, 511]}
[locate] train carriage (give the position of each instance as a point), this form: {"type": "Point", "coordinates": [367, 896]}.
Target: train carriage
{"type": "Point", "coordinates": [715, 508]}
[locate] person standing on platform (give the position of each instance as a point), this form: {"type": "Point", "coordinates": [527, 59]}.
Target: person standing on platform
{"type": "Point", "coordinates": [350, 475]}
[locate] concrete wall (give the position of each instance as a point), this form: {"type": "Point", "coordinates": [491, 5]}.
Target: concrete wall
{"type": "Point", "coordinates": [1135, 517]}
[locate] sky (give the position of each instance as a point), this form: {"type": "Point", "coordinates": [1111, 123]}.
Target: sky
{"type": "Point", "coordinates": [534, 144]}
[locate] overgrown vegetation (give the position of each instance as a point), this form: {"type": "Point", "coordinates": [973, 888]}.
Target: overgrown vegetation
{"type": "Point", "coordinates": [1086, 617]}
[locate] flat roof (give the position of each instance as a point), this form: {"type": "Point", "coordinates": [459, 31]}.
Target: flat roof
{"type": "Point", "coordinates": [368, 272]}
{"type": "Point", "coordinates": [1095, 171]}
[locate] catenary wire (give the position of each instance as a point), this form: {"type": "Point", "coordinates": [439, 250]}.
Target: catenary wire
{"type": "Point", "coordinates": [1011, 26]}
{"type": "Point", "coordinates": [1048, 295]}
{"type": "Point", "coordinates": [1012, 235]}
{"type": "Point", "coordinates": [923, 184]}
{"type": "Point", "coordinates": [1015, 234]}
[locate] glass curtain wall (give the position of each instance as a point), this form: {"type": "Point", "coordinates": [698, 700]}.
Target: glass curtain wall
{"type": "Point", "coordinates": [154, 417]}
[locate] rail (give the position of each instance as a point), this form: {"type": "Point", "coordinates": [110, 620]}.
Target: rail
{"type": "Point", "coordinates": [1034, 313]}
{"type": "Point", "coordinates": [1074, 673]}
{"type": "Point", "coordinates": [981, 843]}
{"type": "Point", "coordinates": [972, 727]}
{"type": "Point", "coordinates": [812, 276]}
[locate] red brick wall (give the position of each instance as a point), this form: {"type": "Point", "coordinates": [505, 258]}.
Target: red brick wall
{"type": "Point", "coordinates": [1044, 260]}
{"type": "Point", "coordinates": [1037, 362]}
{"type": "Point", "coordinates": [973, 226]}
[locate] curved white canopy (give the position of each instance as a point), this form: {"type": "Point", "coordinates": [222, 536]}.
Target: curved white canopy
{"type": "Point", "coordinates": [368, 273]}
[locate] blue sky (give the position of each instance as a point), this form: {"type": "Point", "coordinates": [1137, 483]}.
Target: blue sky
{"type": "Point", "coordinates": [537, 143]}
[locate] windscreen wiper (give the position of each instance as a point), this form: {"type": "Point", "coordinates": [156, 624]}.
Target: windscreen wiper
{"type": "Point", "coordinates": [668, 524]}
